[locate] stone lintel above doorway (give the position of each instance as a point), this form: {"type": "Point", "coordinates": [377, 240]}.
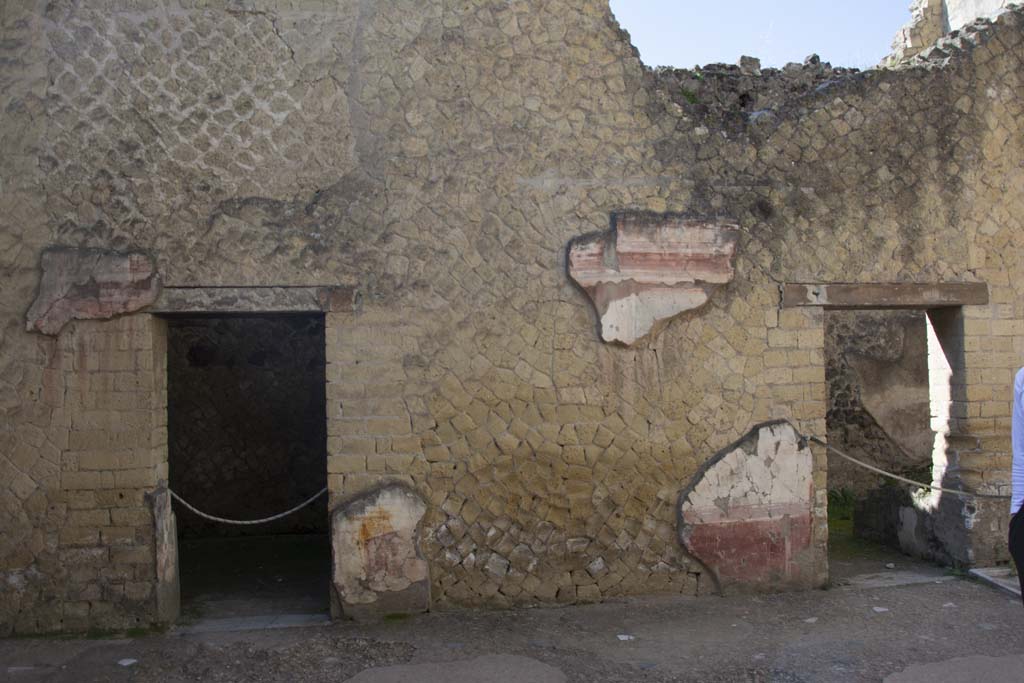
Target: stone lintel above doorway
{"type": "Point", "coordinates": [875, 295]}
{"type": "Point", "coordinates": [250, 300]}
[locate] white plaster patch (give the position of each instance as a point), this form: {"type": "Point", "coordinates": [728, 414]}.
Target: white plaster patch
{"type": "Point", "coordinates": [775, 481]}
{"type": "Point", "coordinates": [374, 545]}
{"type": "Point", "coordinates": [627, 320]}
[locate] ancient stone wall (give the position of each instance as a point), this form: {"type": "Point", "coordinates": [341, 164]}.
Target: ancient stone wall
{"type": "Point", "coordinates": [439, 156]}
{"type": "Point", "coordinates": [246, 427]}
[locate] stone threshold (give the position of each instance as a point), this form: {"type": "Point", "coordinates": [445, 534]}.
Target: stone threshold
{"type": "Point", "coordinates": [890, 579]}
{"type": "Point", "coordinates": [998, 577]}
{"type": "Point", "coordinates": [253, 623]}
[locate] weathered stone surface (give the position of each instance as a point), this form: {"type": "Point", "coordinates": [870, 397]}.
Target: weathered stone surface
{"type": "Point", "coordinates": [649, 268]}
{"type": "Point", "coordinates": [90, 284]}
{"type": "Point", "coordinates": [378, 566]}
{"type": "Point", "coordinates": [491, 668]}
{"type": "Point", "coordinates": [247, 300]}
{"type": "Point", "coordinates": [250, 300]}
{"type": "Point", "coordinates": [932, 19]}
{"type": "Point", "coordinates": [165, 538]}
{"type": "Point", "coordinates": [749, 515]}
{"type": "Point", "coordinates": [743, 99]}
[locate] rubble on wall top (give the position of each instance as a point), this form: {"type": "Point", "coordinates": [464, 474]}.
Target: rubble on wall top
{"type": "Point", "coordinates": [960, 41]}
{"type": "Point", "coordinates": [736, 97]}
{"type": "Point", "coordinates": [744, 99]}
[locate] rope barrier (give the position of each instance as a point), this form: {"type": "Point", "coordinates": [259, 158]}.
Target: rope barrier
{"type": "Point", "coordinates": [878, 470]}
{"type": "Point", "coordinates": [815, 439]}
{"type": "Point", "coordinates": [245, 522]}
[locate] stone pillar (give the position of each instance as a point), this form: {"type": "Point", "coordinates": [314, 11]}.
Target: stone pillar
{"type": "Point", "coordinates": [168, 582]}
{"type": "Point", "coordinates": [793, 387]}
{"type": "Point", "coordinates": [979, 347]}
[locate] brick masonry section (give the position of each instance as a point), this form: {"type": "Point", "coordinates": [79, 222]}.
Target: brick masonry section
{"type": "Point", "coordinates": [109, 392]}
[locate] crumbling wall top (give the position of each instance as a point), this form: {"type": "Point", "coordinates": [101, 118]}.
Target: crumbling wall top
{"type": "Point", "coordinates": [932, 19]}
{"type": "Point", "coordinates": [745, 100]}
{"type": "Point", "coordinates": [735, 97]}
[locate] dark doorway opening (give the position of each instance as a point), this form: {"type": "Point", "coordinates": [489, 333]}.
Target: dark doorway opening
{"type": "Point", "coordinates": [247, 440]}
{"type": "Point", "coordinates": [879, 411]}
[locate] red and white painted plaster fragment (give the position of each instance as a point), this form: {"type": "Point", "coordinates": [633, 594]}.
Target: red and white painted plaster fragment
{"type": "Point", "coordinates": [748, 517]}
{"type": "Point", "coordinates": [650, 268]}
{"type": "Point", "coordinates": [90, 284]}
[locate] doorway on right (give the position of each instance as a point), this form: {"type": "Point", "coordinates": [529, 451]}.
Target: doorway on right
{"type": "Point", "coordinates": [882, 410]}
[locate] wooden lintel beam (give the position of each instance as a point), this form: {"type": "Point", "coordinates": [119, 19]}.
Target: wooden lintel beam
{"type": "Point", "coordinates": [885, 295]}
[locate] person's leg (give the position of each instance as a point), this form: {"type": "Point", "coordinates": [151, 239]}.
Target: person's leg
{"type": "Point", "coordinates": [1016, 542]}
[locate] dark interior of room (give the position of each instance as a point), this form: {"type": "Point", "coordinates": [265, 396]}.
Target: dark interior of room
{"type": "Point", "coordinates": [247, 440]}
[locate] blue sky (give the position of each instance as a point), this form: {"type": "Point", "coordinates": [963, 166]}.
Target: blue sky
{"type": "Point", "coordinates": [685, 33]}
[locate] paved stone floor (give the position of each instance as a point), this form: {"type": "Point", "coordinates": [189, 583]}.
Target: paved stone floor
{"type": "Point", "coordinates": [910, 623]}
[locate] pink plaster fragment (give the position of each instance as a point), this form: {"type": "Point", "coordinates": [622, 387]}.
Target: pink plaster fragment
{"type": "Point", "coordinates": [650, 268]}
{"type": "Point", "coordinates": [90, 284]}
